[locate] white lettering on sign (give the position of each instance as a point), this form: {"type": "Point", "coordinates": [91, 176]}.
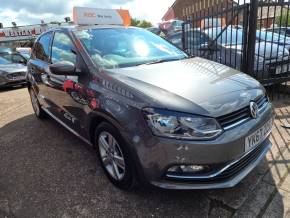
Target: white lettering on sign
{"type": "Point", "coordinates": [92, 16]}
{"type": "Point", "coordinates": [24, 32]}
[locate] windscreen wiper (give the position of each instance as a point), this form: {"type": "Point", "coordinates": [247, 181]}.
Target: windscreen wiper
{"type": "Point", "coordinates": [158, 61]}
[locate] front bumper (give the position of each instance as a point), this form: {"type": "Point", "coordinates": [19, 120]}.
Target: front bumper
{"type": "Point", "coordinates": [6, 81]}
{"type": "Point", "coordinates": [234, 173]}
{"type": "Point", "coordinates": [156, 155]}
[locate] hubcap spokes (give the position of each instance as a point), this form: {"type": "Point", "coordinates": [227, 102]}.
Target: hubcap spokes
{"type": "Point", "coordinates": [111, 155]}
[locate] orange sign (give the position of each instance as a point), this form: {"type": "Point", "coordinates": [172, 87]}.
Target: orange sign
{"type": "Point", "coordinates": [92, 16]}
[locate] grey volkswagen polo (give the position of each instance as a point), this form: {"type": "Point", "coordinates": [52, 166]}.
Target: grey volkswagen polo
{"type": "Point", "coordinates": [155, 115]}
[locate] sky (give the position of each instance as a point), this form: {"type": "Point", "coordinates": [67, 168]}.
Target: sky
{"type": "Point", "coordinates": [25, 12]}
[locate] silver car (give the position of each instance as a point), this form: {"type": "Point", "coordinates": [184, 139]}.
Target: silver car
{"type": "Point", "coordinates": [153, 114]}
{"type": "Point", "coordinates": [11, 74]}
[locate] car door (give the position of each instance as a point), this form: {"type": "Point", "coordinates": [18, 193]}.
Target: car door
{"type": "Point", "coordinates": [68, 92]}
{"type": "Point", "coordinates": [40, 59]}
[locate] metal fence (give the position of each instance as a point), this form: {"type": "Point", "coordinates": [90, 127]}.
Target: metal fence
{"type": "Point", "coordinates": [251, 36]}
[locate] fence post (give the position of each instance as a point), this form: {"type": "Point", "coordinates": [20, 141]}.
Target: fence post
{"type": "Point", "coordinates": [253, 17]}
{"type": "Point", "coordinates": [183, 37]}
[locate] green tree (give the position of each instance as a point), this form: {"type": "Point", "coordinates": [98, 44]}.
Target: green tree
{"type": "Point", "coordinates": [283, 20]}
{"type": "Point", "coordinates": [140, 23]}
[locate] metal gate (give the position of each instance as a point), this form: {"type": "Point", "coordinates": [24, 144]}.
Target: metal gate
{"type": "Point", "coordinates": [251, 36]}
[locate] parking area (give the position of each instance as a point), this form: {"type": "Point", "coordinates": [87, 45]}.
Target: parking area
{"type": "Point", "coordinates": [45, 171]}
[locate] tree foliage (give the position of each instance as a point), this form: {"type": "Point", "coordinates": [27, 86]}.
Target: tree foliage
{"type": "Point", "coordinates": [140, 23]}
{"type": "Point", "coordinates": [283, 20]}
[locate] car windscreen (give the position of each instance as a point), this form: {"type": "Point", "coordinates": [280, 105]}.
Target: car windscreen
{"type": "Point", "coordinates": [126, 47]}
{"type": "Point", "coordinates": [227, 37]}
{"type": "Point", "coordinates": [4, 61]}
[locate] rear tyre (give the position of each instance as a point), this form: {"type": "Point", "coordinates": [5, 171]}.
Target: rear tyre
{"type": "Point", "coordinates": [39, 113]}
{"type": "Point", "coordinates": [114, 156]}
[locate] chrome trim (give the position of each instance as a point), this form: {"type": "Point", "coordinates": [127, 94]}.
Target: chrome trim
{"type": "Point", "coordinates": [66, 126]}
{"type": "Point", "coordinates": [220, 171]}
{"type": "Point", "coordinates": [263, 107]}
{"type": "Point", "coordinates": [237, 123]}
{"type": "Point", "coordinates": [261, 110]}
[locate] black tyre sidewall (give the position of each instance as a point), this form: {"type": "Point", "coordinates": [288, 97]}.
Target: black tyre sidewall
{"type": "Point", "coordinates": [41, 114]}
{"type": "Point", "coordinates": [128, 181]}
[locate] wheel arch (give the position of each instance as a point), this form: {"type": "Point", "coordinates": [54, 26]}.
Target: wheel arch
{"type": "Point", "coordinates": [96, 118]}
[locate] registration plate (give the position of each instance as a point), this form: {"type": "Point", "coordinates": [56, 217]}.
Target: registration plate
{"type": "Point", "coordinates": [18, 78]}
{"type": "Point", "coordinates": [258, 136]}
{"type": "Point", "coordinates": [282, 69]}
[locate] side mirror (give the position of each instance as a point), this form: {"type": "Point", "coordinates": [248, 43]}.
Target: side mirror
{"type": "Point", "coordinates": [64, 68]}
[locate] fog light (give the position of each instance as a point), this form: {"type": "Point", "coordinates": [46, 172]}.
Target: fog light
{"type": "Point", "coordinates": [186, 169]}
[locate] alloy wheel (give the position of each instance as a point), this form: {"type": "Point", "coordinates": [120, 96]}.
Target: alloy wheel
{"type": "Point", "coordinates": [111, 156]}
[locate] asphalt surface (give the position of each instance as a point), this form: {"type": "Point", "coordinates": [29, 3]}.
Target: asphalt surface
{"type": "Point", "coordinates": [45, 171]}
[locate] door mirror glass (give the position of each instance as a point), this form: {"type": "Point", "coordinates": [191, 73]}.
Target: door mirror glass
{"type": "Point", "coordinates": [63, 68]}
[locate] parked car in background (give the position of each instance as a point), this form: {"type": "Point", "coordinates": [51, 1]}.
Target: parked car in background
{"type": "Point", "coordinates": [227, 49]}
{"type": "Point", "coordinates": [15, 57]}
{"type": "Point", "coordinates": [274, 38]}
{"type": "Point", "coordinates": [196, 38]}
{"type": "Point", "coordinates": [226, 46]}
{"type": "Point", "coordinates": [155, 30]}
{"type": "Point", "coordinates": [11, 74]}
{"type": "Point", "coordinates": [171, 26]}
{"type": "Point", "coordinates": [284, 31]}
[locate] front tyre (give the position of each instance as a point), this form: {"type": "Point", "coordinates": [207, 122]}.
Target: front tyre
{"type": "Point", "coordinates": [114, 156]}
{"type": "Point", "coordinates": [35, 105]}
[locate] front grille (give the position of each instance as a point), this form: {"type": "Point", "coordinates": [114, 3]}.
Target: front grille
{"type": "Point", "coordinates": [240, 165]}
{"type": "Point", "coordinates": [15, 75]}
{"type": "Point", "coordinates": [228, 120]}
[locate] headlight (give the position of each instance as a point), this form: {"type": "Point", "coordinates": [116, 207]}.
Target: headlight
{"type": "Point", "coordinates": [181, 126]}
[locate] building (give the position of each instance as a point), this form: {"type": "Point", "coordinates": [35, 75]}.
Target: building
{"type": "Point", "coordinates": [169, 15]}
{"type": "Point", "coordinates": [23, 36]}
{"type": "Point", "coordinates": [189, 9]}
{"type": "Point", "coordinates": [267, 15]}
{"type": "Point", "coordinates": [192, 9]}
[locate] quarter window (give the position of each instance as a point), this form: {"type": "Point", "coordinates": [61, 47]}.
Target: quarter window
{"type": "Point", "coordinates": [62, 48]}
{"type": "Point", "coordinates": [42, 47]}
